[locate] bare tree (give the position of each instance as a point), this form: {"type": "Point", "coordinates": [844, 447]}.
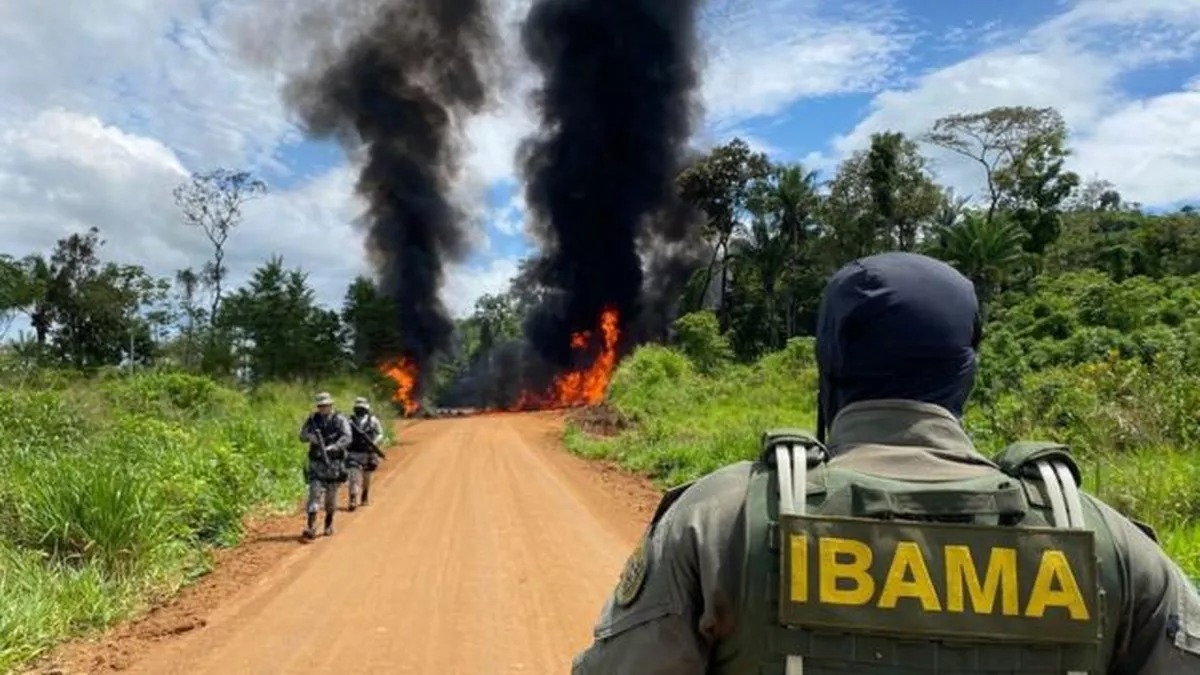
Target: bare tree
{"type": "Point", "coordinates": [213, 202]}
{"type": "Point", "coordinates": [997, 139]}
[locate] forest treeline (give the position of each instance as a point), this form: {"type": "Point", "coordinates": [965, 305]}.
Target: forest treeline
{"type": "Point", "coordinates": [1036, 239]}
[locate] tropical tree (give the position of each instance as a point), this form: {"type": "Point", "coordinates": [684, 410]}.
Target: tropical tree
{"type": "Point", "coordinates": [986, 251]}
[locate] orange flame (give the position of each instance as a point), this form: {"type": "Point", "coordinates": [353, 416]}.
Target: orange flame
{"type": "Point", "coordinates": [586, 386]}
{"type": "Point", "coordinates": [404, 372]}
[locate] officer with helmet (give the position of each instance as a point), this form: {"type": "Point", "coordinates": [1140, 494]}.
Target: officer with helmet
{"type": "Point", "coordinates": [364, 453]}
{"type": "Point", "coordinates": [888, 543]}
{"type": "Point", "coordinates": [327, 434]}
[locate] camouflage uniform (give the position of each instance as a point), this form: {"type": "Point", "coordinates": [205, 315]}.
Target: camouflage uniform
{"type": "Point", "coordinates": [361, 460]}
{"type": "Point", "coordinates": [323, 479]}
{"type": "Point", "coordinates": [733, 574]}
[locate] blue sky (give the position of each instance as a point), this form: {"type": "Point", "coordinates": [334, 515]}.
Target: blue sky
{"type": "Point", "coordinates": [107, 106]}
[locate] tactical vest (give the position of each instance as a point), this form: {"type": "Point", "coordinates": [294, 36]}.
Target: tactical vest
{"type": "Point", "coordinates": [850, 573]}
{"type": "Point", "coordinates": [329, 430]}
{"type": "Point", "coordinates": [359, 444]}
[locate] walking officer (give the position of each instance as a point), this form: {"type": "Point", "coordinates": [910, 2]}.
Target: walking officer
{"type": "Point", "coordinates": [327, 433]}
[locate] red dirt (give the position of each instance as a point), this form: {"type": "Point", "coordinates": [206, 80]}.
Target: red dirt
{"type": "Point", "coordinates": [486, 548]}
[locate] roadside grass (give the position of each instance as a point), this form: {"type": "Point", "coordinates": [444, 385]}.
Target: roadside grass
{"type": "Point", "coordinates": [1133, 432]}
{"type": "Point", "coordinates": [117, 490]}
{"type": "Point", "coordinates": [685, 424]}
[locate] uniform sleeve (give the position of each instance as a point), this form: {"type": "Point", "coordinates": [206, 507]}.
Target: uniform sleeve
{"type": "Point", "coordinates": [304, 429]}
{"type": "Point", "coordinates": [1159, 632]}
{"type": "Point", "coordinates": [675, 599]}
{"type": "Point", "coordinates": [376, 429]}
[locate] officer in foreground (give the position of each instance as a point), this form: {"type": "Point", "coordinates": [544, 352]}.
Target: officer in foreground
{"type": "Point", "coordinates": [889, 544]}
{"type": "Point", "coordinates": [328, 435]}
{"type": "Point", "coordinates": [364, 453]}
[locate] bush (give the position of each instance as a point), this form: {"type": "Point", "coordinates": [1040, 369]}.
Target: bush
{"type": "Point", "coordinates": [1130, 421]}
{"type": "Point", "coordinates": [120, 487]}
{"type": "Point", "coordinates": [687, 424]}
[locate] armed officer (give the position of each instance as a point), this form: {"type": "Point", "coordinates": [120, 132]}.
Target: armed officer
{"type": "Point", "coordinates": [328, 435]}
{"type": "Point", "coordinates": [888, 544]}
{"type": "Point", "coordinates": [364, 453]}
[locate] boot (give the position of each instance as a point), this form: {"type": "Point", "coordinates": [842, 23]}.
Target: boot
{"type": "Point", "coordinates": [328, 524]}
{"type": "Point", "coordinates": [310, 529]}
{"type": "Point", "coordinates": [364, 499]}
{"type": "Point", "coordinates": [353, 504]}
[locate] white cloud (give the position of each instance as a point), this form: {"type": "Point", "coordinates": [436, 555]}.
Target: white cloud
{"type": "Point", "coordinates": [1074, 63]}
{"type": "Point", "coordinates": [762, 56]}
{"type": "Point", "coordinates": [465, 284]}
{"type": "Point", "coordinates": [154, 67]}
{"type": "Point", "coordinates": [509, 219]}
{"type": "Point", "coordinates": [63, 172]}
{"type": "Point", "coordinates": [1149, 149]}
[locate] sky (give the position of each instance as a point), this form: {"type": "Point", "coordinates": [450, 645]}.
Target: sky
{"type": "Point", "coordinates": [106, 107]}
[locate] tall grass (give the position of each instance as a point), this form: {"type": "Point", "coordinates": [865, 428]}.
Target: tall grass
{"type": "Point", "coordinates": [1131, 426]}
{"type": "Point", "coordinates": [117, 489]}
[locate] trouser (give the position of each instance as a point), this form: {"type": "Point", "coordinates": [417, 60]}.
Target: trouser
{"type": "Point", "coordinates": [355, 483]}
{"type": "Point", "coordinates": [366, 478]}
{"type": "Point", "coordinates": [318, 489]}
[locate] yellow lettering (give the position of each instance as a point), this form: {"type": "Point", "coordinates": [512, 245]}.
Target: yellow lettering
{"type": "Point", "coordinates": [857, 569]}
{"type": "Point", "coordinates": [908, 561]}
{"type": "Point", "coordinates": [1055, 568]}
{"type": "Point", "coordinates": [1001, 576]}
{"type": "Point", "coordinates": [799, 544]}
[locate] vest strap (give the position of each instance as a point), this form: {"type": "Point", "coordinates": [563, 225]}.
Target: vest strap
{"type": "Point", "coordinates": [791, 464]}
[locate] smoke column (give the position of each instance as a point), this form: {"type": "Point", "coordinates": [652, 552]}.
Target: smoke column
{"type": "Point", "coordinates": [395, 94]}
{"type": "Point", "coordinates": [616, 113]}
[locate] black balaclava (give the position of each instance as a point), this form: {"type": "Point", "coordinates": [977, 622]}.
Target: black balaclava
{"type": "Point", "coordinates": [896, 325]}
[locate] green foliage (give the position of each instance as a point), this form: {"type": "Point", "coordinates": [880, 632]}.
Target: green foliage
{"type": "Point", "coordinates": [279, 329]}
{"type": "Point", "coordinates": [1133, 430]}
{"type": "Point", "coordinates": [700, 339]}
{"type": "Point", "coordinates": [119, 487]}
{"type": "Point", "coordinates": [686, 424]}
{"type": "Point", "coordinates": [1082, 316]}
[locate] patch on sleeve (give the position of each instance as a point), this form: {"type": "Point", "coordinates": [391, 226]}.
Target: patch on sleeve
{"type": "Point", "coordinates": [633, 577]}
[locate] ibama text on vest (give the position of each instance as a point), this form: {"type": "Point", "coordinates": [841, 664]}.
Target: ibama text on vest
{"type": "Point", "coordinates": [939, 579]}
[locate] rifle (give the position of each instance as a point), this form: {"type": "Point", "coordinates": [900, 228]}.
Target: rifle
{"type": "Point", "coordinates": [326, 461]}
{"type": "Point", "coordinates": [366, 438]}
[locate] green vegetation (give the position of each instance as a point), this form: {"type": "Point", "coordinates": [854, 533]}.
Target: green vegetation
{"type": "Point", "coordinates": [1092, 311]}
{"type": "Point", "coordinates": [1134, 432]}
{"type": "Point", "coordinates": [143, 419]}
{"type": "Point", "coordinates": [117, 489]}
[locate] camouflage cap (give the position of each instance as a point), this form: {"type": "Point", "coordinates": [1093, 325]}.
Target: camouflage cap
{"type": "Point", "coordinates": [324, 398]}
{"type": "Point", "coordinates": [361, 402]}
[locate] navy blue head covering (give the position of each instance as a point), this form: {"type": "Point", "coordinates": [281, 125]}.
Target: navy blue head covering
{"type": "Point", "coordinates": [896, 325]}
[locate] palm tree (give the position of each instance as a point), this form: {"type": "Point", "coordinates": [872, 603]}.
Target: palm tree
{"type": "Point", "coordinates": [35, 295]}
{"type": "Point", "coordinates": [986, 251]}
{"type": "Point", "coordinates": [767, 251]}
{"type": "Point", "coordinates": [788, 202]}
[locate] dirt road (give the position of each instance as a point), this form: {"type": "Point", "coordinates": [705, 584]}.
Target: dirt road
{"type": "Point", "coordinates": [486, 549]}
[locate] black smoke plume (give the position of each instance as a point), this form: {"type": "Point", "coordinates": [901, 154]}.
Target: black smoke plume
{"type": "Point", "coordinates": [616, 113]}
{"type": "Point", "coordinates": [395, 95]}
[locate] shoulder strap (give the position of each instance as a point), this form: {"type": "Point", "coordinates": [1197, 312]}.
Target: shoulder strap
{"type": "Point", "coordinates": [794, 452]}
{"type": "Point", "coordinates": [1052, 464]}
